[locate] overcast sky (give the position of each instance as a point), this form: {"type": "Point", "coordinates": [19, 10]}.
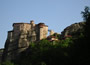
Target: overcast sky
{"type": "Point", "coordinates": [57, 14]}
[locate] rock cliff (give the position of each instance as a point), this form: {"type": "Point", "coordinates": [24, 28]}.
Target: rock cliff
{"type": "Point", "coordinates": [74, 29]}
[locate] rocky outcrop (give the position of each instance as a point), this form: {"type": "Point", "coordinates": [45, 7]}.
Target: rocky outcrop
{"type": "Point", "coordinates": [20, 37]}
{"type": "Point", "coordinates": [76, 29]}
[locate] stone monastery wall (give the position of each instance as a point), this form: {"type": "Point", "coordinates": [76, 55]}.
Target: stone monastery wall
{"type": "Point", "coordinates": [20, 37]}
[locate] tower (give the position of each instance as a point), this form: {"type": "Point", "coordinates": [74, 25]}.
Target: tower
{"type": "Point", "coordinates": [51, 32]}
{"type": "Point", "coordinates": [43, 30]}
{"type": "Point", "coordinates": [33, 32]}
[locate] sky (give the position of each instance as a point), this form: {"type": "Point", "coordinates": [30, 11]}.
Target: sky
{"type": "Point", "coordinates": [57, 14]}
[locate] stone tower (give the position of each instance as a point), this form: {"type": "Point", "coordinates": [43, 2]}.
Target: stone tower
{"type": "Point", "coordinates": [51, 32]}
{"type": "Point", "coordinates": [43, 30]}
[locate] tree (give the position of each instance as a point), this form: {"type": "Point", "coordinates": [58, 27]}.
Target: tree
{"type": "Point", "coordinates": [86, 17]}
{"type": "Point", "coordinates": [86, 13]}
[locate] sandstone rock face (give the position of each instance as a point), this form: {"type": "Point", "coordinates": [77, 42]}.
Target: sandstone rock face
{"type": "Point", "coordinates": [74, 28]}
{"type": "Point", "coordinates": [20, 37]}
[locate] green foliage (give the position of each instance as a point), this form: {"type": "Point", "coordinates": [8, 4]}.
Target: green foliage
{"type": "Point", "coordinates": [66, 43]}
{"type": "Point", "coordinates": [7, 63]}
{"type": "Point", "coordinates": [56, 35]}
{"type": "Point", "coordinates": [81, 35]}
{"type": "Point", "coordinates": [43, 63]}
{"type": "Point", "coordinates": [45, 52]}
{"type": "Point", "coordinates": [86, 13]}
{"type": "Point", "coordinates": [32, 44]}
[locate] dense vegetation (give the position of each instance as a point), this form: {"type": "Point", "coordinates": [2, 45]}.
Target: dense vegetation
{"type": "Point", "coordinates": [46, 53]}
{"type": "Point", "coordinates": [72, 50]}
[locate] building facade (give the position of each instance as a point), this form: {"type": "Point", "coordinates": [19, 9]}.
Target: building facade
{"type": "Point", "coordinates": [20, 37]}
